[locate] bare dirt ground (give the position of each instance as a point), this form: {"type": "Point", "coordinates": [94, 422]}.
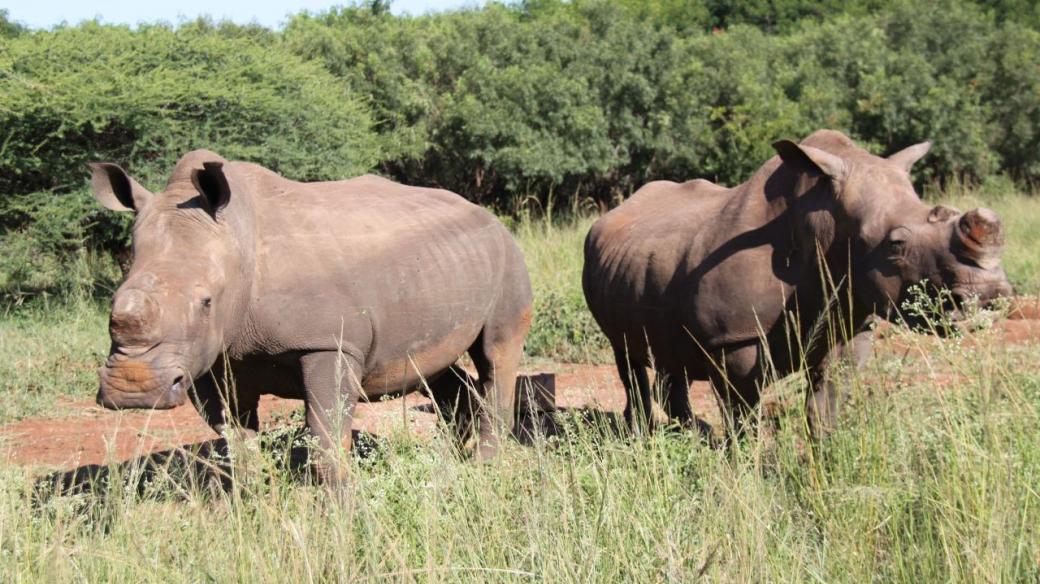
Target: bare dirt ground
{"type": "Point", "coordinates": [86, 434]}
{"type": "Point", "coordinates": [89, 434]}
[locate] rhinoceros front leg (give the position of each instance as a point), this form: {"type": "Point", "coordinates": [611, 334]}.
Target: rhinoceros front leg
{"type": "Point", "coordinates": [737, 377]}
{"type": "Point", "coordinates": [332, 384]}
{"type": "Point", "coordinates": [825, 395]}
{"type": "Point", "coordinates": [224, 404]}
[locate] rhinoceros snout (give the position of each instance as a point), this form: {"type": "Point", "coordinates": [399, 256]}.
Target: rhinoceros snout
{"type": "Point", "coordinates": [137, 386]}
{"type": "Point", "coordinates": [985, 295]}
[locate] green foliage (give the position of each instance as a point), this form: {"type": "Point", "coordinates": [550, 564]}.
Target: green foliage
{"type": "Point", "coordinates": [144, 98]}
{"type": "Point", "coordinates": [909, 74]}
{"type": "Point", "coordinates": [9, 28]}
{"type": "Point", "coordinates": [930, 477]}
{"type": "Point", "coordinates": [592, 98]}
{"type": "Point", "coordinates": [1011, 93]}
{"type": "Point", "coordinates": [58, 249]}
{"type": "Point", "coordinates": [484, 103]}
{"type": "Point", "coordinates": [141, 99]}
{"type": "Point", "coordinates": [773, 15]}
{"type": "Point", "coordinates": [495, 105]}
{"type": "Point", "coordinates": [545, 99]}
{"type": "Point", "coordinates": [1024, 12]}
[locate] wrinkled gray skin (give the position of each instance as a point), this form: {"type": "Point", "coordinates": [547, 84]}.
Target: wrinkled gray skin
{"type": "Point", "coordinates": [328, 292]}
{"type": "Point", "coordinates": [704, 282]}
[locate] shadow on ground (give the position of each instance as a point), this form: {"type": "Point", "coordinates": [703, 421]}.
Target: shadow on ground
{"type": "Point", "coordinates": [191, 468]}
{"type": "Point", "coordinates": [208, 466]}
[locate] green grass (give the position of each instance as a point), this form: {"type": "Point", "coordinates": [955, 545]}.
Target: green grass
{"type": "Point", "coordinates": [931, 477]}
{"type": "Point", "coordinates": [563, 329]}
{"type": "Point", "coordinates": [923, 482]}
{"type": "Point", "coordinates": [47, 351]}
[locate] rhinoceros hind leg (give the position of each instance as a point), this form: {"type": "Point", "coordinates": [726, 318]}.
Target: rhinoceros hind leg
{"type": "Point", "coordinates": [453, 393]}
{"type": "Point", "coordinates": [677, 398]}
{"type": "Point", "coordinates": [638, 405]}
{"type": "Point", "coordinates": [496, 354]}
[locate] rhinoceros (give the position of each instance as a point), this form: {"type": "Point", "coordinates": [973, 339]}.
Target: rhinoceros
{"type": "Point", "coordinates": [244, 283]}
{"type": "Point", "coordinates": [782, 273]}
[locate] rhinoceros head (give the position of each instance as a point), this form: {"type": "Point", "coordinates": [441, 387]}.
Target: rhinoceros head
{"type": "Point", "coordinates": [897, 242]}
{"type": "Point", "coordinates": [186, 282]}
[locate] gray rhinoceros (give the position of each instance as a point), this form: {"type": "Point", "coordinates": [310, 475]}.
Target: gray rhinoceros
{"type": "Point", "coordinates": [324, 291]}
{"type": "Point", "coordinates": [779, 274]}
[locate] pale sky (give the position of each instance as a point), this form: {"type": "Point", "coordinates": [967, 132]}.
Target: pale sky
{"type": "Point", "coordinates": [47, 13]}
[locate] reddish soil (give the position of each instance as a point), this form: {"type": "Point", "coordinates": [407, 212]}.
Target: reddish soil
{"type": "Point", "coordinates": [87, 434]}
{"type": "Point", "coordinates": [1025, 308]}
{"type": "Point", "coordinates": [1014, 330]}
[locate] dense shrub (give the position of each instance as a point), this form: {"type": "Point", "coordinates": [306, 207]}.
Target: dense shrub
{"type": "Point", "coordinates": [143, 98]}
{"type": "Point", "coordinates": [1012, 94]}
{"type": "Point", "coordinates": [9, 28]}
{"type": "Point", "coordinates": [483, 102]}
{"type": "Point", "coordinates": [774, 15]}
{"type": "Point", "coordinates": [498, 104]}
{"type": "Point", "coordinates": [146, 97]}
{"type": "Point", "coordinates": [595, 98]}
{"type": "Point", "coordinates": [542, 100]}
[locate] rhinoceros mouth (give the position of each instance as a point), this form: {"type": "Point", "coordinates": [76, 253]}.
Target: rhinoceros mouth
{"type": "Point", "coordinates": [126, 388]}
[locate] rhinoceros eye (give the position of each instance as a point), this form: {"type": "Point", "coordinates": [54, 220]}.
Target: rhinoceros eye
{"type": "Point", "coordinates": [206, 303]}
{"type": "Point", "coordinates": [898, 242]}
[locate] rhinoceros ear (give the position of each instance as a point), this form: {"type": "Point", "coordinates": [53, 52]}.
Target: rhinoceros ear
{"type": "Point", "coordinates": [213, 186]}
{"type": "Point", "coordinates": [115, 190]}
{"type": "Point", "coordinates": [908, 156]}
{"type": "Point", "coordinates": [810, 158]}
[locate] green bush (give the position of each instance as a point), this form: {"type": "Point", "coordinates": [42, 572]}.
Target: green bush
{"type": "Point", "coordinates": [564, 329]}
{"type": "Point", "coordinates": [482, 102]}
{"type": "Point", "coordinates": [773, 15]}
{"type": "Point", "coordinates": [8, 28]}
{"type": "Point", "coordinates": [543, 100]}
{"type": "Point", "coordinates": [142, 99]}
{"type": "Point", "coordinates": [63, 248]}
{"type": "Point", "coordinates": [593, 99]}
{"type": "Point", "coordinates": [1012, 93]}
{"type": "Point", "coordinates": [896, 79]}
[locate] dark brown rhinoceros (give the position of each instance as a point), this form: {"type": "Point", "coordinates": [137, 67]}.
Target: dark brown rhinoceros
{"type": "Point", "coordinates": [779, 274]}
{"type": "Point", "coordinates": [321, 291]}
